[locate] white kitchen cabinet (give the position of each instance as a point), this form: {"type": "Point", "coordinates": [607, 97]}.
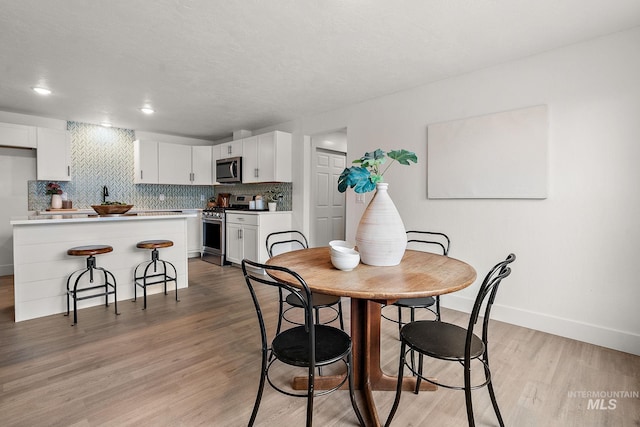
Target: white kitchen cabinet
{"type": "Point", "coordinates": [250, 164]}
{"type": "Point", "coordinates": [242, 242]}
{"type": "Point", "coordinates": [145, 161]}
{"type": "Point", "coordinates": [242, 237]}
{"type": "Point", "coordinates": [231, 149]}
{"type": "Point", "coordinates": [247, 233]}
{"type": "Point", "coordinates": [184, 164]}
{"type": "Point", "coordinates": [20, 136]}
{"type": "Point", "coordinates": [215, 155]}
{"type": "Point", "coordinates": [165, 163]}
{"type": "Point", "coordinates": [174, 164]}
{"type": "Point", "coordinates": [201, 165]}
{"type": "Point", "coordinates": [267, 158]}
{"type": "Point", "coordinates": [53, 155]}
{"type": "Point", "coordinates": [194, 234]}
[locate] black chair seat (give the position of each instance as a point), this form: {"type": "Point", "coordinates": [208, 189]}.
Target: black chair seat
{"type": "Point", "coordinates": [318, 300]}
{"type": "Point", "coordinates": [292, 345]}
{"type": "Point", "coordinates": [440, 340]}
{"type": "Point", "coordinates": [415, 302]}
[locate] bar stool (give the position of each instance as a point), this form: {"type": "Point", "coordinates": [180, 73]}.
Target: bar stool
{"type": "Point", "coordinates": [154, 277]}
{"type": "Point", "coordinates": [90, 251]}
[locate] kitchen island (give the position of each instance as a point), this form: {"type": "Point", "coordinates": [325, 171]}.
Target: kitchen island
{"type": "Point", "coordinates": [41, 263]}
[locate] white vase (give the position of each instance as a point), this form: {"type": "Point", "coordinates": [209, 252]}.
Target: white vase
{"type": "Point", "coordinates": [56, 201]}
{"type": "Point", "coordinates": [381, 236]}
{"type": "Point", "coordinates": [272, 206]}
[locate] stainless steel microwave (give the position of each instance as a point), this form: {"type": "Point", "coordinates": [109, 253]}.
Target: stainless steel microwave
{"type": "Point", "coordinates": [229, 170]}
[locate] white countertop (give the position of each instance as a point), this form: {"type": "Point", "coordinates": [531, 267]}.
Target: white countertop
{"type": "Point", "coordinates": [73, 217]}
{"type": "Point", "coordinates": [254, 212]}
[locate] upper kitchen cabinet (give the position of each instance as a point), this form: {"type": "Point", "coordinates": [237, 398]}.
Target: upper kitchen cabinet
{"type": "Point", "coordinates": [231, 149]}
{"type": "Point", "coordinates": [53, 155]}
{"type": "Point", "coordinates": [267, 158]}
{"type": "Point", "coordinates": [174, 164]}
{"type": "Point", "coordinates": [215, 155]}
{"type": "Point", "coordinates": [202, 165]}
{"type": "Point", "coordinates": [184, 164]}
{"type": "Point", "coordinates": [145, 161]}
{"type": "Point", "coordinates": [18, 136]}
{"type": "Point", "coordinates": [165, 163]}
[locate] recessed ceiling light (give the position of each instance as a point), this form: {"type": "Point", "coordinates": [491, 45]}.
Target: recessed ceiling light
{"type": "Point", "coordinates": [147, 110]}
{"type": "Point", "coordinates": [106, 124]}
{"type": "Point", "coordinates": [42, 90]}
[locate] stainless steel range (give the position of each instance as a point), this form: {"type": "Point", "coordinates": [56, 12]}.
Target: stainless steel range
{"type": "Point", "coordinates": [214, 228]}
{"type": "Point", "coordinates": [213, 236]}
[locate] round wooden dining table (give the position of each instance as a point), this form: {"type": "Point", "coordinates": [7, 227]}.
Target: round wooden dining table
{"type": "Point", "coordinates": [419, 274]}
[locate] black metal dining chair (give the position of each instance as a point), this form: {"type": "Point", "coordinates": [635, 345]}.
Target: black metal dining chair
{"type": "Point", "coordinates": [309, 345]}
{"type": "Point", "coordinates": [429, 241]}
{"type": "Point", "coordinates": [285, 241]}
{"type": "Point", "coordinates": [446, 341]}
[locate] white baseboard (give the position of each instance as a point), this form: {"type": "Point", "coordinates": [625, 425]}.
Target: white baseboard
{"type": "Point", "coordinates": [568, 328]}
{"type": "Point", "coordinates": [6, 270]}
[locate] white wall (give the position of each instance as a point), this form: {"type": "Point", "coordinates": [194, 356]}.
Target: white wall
{"type": "Point", "coordinates": [17, 166]}
{"type": "Point", "coordinates": [578, 269]}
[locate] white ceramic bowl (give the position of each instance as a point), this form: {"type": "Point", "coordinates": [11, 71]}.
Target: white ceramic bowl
{"type": "Point", "coordinates": [342, 243]}
{"type": "Point", "coordinates": [340, 251]}
{"type": "Point", "coordinates": [344, 258]}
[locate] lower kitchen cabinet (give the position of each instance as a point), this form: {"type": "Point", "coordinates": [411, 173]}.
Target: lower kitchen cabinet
{"type": "Point", "coordinates": [248, 231]}
{"type": "Point", "coordinates": [242, 242]}
{"type": "Point", "coordinates": [194, 234]}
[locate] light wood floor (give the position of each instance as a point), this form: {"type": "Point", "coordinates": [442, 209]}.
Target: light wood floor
{"type": "Point", "coordinates": [196, 362]}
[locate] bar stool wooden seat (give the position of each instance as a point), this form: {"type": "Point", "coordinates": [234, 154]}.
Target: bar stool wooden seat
{"type": "Point", "coordinates": [107, 288]}
{"type": "Point", "coordinates": [156, 275]}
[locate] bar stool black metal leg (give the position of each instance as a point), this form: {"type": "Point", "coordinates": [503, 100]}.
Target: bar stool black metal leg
{"type": "Point", "coordinates": [175, 277]}
{"type": "Point", "coordinates": [73, 293]}
{"type": "Point", "coordinates": [106, 286]}
{"type": "Point", "coordinates": [156, 271]}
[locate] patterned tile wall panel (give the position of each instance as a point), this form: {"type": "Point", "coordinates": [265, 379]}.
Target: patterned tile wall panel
{"type": "Point", "coordinates": [104, 156]}
{"type": "Point", "coordinates": [280, 188]}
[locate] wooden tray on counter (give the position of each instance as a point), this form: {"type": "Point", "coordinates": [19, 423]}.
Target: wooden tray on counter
{"type": "Point", "coordinates": [61, 210]}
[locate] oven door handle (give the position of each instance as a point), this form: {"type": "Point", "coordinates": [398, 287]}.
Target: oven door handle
{"type": "Point", "coordinates": [213, 220]}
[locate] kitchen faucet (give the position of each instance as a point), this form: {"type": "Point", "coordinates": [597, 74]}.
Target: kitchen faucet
{"type": "Point", "coordinates": [105, 194]}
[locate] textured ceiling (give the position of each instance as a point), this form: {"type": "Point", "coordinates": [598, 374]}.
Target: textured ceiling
{"type": "Point", "coordinates": [210, 67]}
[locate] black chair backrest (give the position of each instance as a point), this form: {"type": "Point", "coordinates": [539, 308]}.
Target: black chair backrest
{"type": "Point", "coordinates": [285, 241]}
{"type": "Point", "coordinates": [301, 290]}
{"type": "Point", "coordinates": [489, 288]}
{"type": "Point", "coordinates": [429, 238]}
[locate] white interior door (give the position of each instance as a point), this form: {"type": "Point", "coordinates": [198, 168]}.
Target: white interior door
{"type": "Point", "coordinates": [329, 204]}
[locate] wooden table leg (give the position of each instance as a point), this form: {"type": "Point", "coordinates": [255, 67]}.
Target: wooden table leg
{"type": "Point", "coordinates": [367, 358]}
{"type": "Point", "coordinates": [378, 379]}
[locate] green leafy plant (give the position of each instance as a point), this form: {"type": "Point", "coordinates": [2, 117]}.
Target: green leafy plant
{"type": "Point", "coordinates": [364, 178]}
{"type": "Point", "coordinates": [273, 196]}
